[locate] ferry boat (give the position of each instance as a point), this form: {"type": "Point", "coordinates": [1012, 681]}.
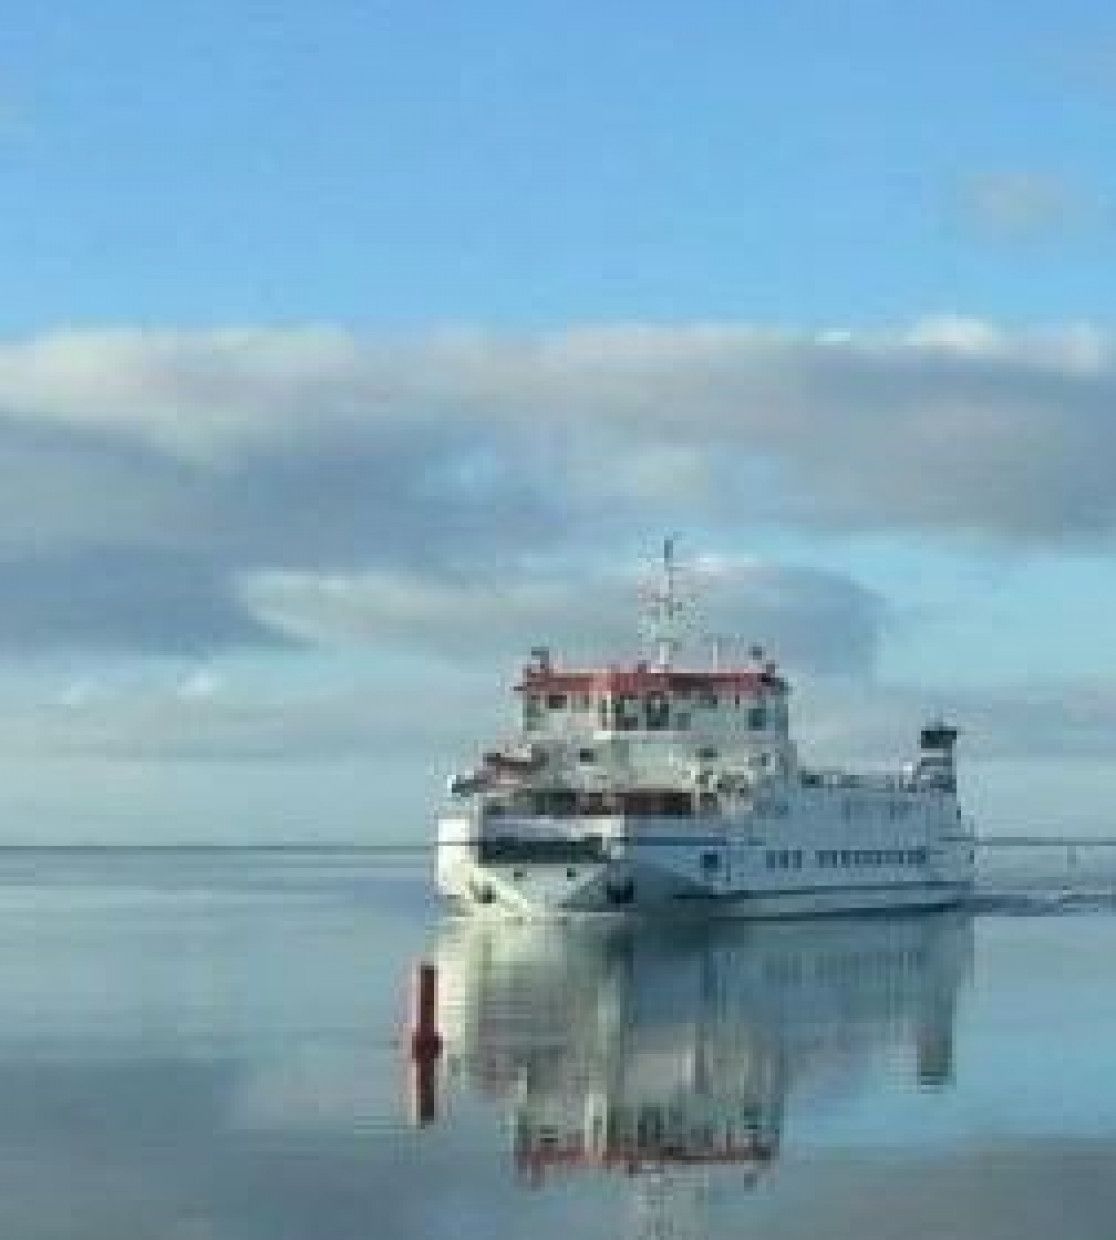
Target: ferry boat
{"type": "Point", "coordinates": [657, 787]}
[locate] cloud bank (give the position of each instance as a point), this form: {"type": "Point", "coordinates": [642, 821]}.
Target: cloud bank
{"type": "Point", "coordinates": [820, 620]}
{"type": "Point", "coordinates": [188, 490]}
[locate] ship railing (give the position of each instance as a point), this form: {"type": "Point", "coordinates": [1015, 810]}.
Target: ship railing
{"type": "Point", "coordinates": [870, 781]}
{"type": "Point", "coordinates": [565, 806]}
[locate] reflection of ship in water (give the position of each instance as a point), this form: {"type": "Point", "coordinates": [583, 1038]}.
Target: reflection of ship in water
{"type": "Point", "coordinates": [639, 1050]}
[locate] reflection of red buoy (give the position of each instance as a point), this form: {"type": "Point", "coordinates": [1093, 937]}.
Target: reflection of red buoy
{"type": "Point", "coordinates": [426, 1045]}
{"type": "Point", "coordinates": [426, 1041]}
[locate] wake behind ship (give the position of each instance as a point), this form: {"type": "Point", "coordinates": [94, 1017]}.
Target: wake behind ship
{"type": "Point", "coordinates": [658, 788]}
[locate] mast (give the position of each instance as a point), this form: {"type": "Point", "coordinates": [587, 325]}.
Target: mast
{"type": "Point", "coordinates": [666, 609]}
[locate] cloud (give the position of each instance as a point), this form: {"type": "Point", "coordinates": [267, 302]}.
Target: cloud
{"type": "Point", "coordinates": [811, 618]}
{"type": "Point", "coordinates": [852, 719]}
{"type": "Point", "coordinates": [121, 600]}
{"type": "Point", "coordinates": [1024, 206]}
{"type": "Point", "coordinates": [203, 717]}
{"type": "Point", "coordinates": [177, 490]}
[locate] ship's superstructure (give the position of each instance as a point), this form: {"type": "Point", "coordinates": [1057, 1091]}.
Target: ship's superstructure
{"type": "Point", "coordinates": [657, 786]}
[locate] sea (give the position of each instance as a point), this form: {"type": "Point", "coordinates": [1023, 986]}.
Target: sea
{"type": "Point", "coordinates": [217, 1044]}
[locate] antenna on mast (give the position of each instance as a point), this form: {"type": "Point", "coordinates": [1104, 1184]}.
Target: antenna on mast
{"type": "Point", "coordinates": [668, 601]}
{"type": "Point", "coordinates": [666, 608]}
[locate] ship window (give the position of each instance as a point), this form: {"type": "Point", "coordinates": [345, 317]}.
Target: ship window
{"type": "Point", "coordinates": [846, 857]}
{"type": "Point", "coordinates": [556, 701]}
{"type": "Point", "coordinates": [708, 754]}
{"type": "Point", "coordinates": [757, 718]}
{"type": "Point", "coordinates": [710, 862]}
{"type": "Point", "coordinates": [627, 713]}
{"type": "Point", "coordinates": [916, 856]}
{"type": "Point", "coordinates": [562, 802]}
{"type": "Point", "coordinates": [682, 721]}
{"type": "Point", "coordinates": [585, 701]}
{"type": "Point", "coordinates": [658, 712]}
{"type": "Point", "coordinates": [705, 698]}
{"type": "Point", "coordinates": [588, 756]}
{"type": "Point", "coordinates": [796, 859]}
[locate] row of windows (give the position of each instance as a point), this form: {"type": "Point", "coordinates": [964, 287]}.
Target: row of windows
{"type": "Point", "coordinates": [585, 701]}
{"type": "Point", "coordinates": [498, 850]}
{"type": "Point", "coordinates": [708, 753]}
{"type": "Point", "coordinates": [871, 856]}
{"type": "Point", "coordinates": [656, 712]}
{"type": "Point", "coordinates": [832, 858]}
{"type": "Point", "coordinates": [586, 803]}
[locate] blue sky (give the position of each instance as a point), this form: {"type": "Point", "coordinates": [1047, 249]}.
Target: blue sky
{"type": "Point", "coordinates": [318, 316]}
{"type": "Point", "coordinates": [525, 164]}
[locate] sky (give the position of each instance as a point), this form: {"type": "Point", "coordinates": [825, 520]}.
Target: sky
{"type": "Point", "coordinates": [348, 350]}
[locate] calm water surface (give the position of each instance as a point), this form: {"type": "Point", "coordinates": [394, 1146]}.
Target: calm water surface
{"type": "Point", "coordinates": [206, 1045]}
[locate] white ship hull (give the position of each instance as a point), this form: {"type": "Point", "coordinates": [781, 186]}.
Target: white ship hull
{"type": "Point", "coordinates": [811, 864]}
